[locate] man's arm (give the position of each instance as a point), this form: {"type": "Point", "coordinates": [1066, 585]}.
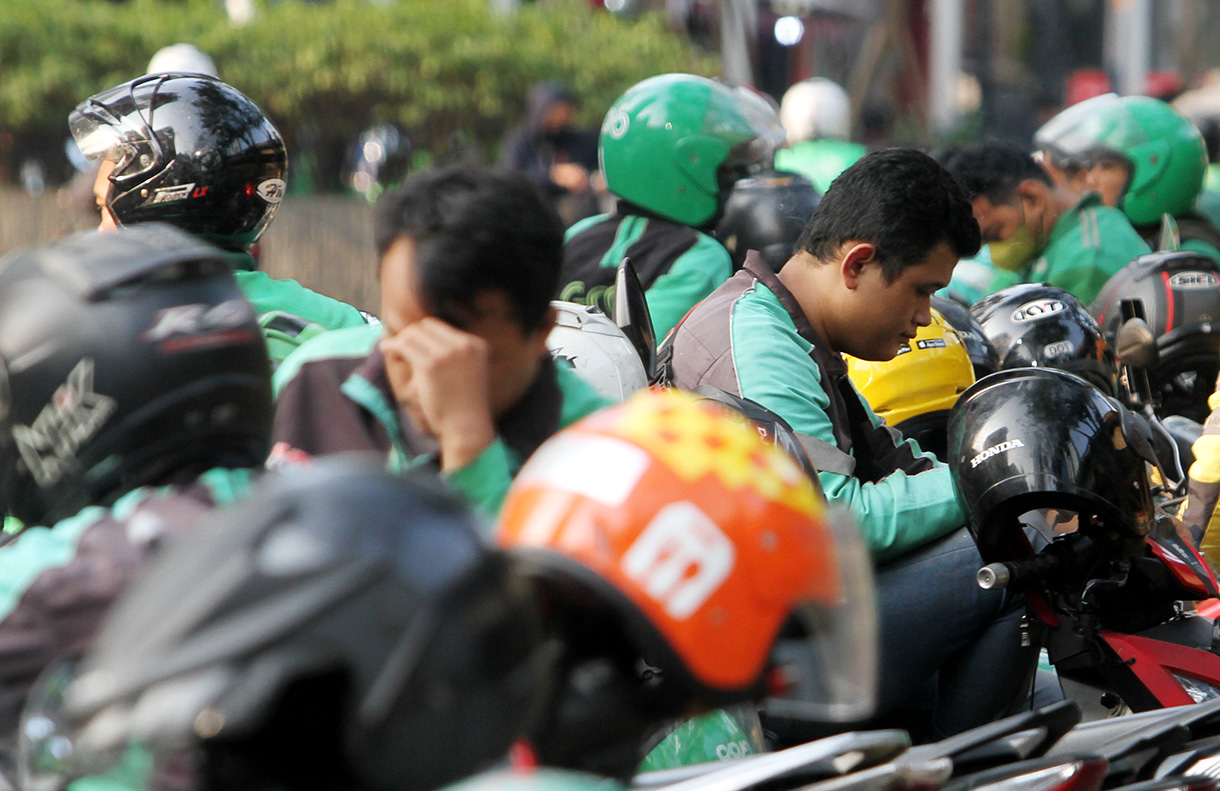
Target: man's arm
{"type": "Point", "coordinates": [896, 513]}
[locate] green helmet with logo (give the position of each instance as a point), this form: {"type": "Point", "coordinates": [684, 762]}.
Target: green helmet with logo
{"type": "Point", "coordinates": [1163, 149]}
{"type": "Point", "coordinates": [675, 144]}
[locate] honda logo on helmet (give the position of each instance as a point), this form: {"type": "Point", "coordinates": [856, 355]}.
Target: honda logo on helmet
{"type": "Point", "coordinates": [1185, 281]}
{"type": "Point", "coordinates": [1038, 309]}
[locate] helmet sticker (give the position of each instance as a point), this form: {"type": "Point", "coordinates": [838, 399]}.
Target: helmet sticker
{"type": "Point", "coordinates": [1189, 281]}
{"type": "Point", "coordinates": [171, 194]}
{"type": "Point", "coordinates": [1038, 309]}
{"type": "Point", "coordinates": [186, 327]}
{"type": "Point", "coordinates": [617, 124]}
{"type": "Point", "coordinates": [995, 450]}
{"type": "Point", "coordinates": [561, 463]}
{"type": "Point", "coordinates": [1057, 349]}
{"type": "Point", "coordinates": [74, 414]}
{"type": "Point", "coordinates": [680, 559]}
{"type": "Point", "coordinates": [930, 343]}
{"type": "Point", "coordinates": [272, 190]}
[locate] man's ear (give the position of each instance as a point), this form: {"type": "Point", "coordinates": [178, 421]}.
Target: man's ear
{"type": "Point", "coordinates": [1032, 195]}
{"type": "Point", "coordinates": [855, 256]}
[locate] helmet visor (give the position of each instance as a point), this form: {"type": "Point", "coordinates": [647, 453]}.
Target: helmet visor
{"type": "Point", "coordinates": [754, 121]}
{"type": "Point", "coordinates": [826, 659]}
{"type": "Point", "coordinates": [116, 126]}
{"type": "Point", "coordinates": [1072, 134]}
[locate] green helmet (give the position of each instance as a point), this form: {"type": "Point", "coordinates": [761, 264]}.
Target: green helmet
{"type": "Point", "coordinates": [674, 145]}
{"type": "Point", "coordinates": [1163, 149]}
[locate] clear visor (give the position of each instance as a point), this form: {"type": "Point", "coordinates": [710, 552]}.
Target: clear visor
{"type": "Point", "coordinates": [1093, 130]}
{"type": "Point", "coordinates": [127, 139]}
{"type": "Point", "coordinates": [826, 663]}
{"type": "Point", "coordinates": [113, 748]}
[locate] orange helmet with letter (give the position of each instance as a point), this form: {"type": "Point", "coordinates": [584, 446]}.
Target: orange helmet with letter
{"type": "Point", "coordinates": [712, 549]}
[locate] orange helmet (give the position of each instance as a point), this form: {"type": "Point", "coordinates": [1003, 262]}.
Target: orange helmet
{"type": "Point", "coordinates": [711, 548]}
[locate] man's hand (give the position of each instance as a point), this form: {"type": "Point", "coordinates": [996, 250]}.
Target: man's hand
{"type": "Point", "coordinates": [440, 375]}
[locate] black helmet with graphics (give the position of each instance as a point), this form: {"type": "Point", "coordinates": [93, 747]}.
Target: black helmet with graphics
{"type": "Point", "coordinates": [127, 357]}
{"type": "Point", "coordinates": [189, 150]}
{"type": "Point", "coordinates": [1180, 293]}
{"type": "Point", "coordinates": [1034, 324]}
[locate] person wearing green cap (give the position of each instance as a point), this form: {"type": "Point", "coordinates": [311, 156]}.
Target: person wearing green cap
{"type": "Point", "coordinates": [1143, 157]}
{"type": "Point", "coordinates": [1040, 231]}
{"type": "Point", "coordinates": [671, 148]}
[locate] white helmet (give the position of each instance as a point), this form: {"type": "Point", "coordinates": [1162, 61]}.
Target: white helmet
{"type": "Point", "coordinates": [182, 58]}
{"type": "Point", "coordinates": [589, 341]}
{"type": "Point", "coordinates": [815, 108]}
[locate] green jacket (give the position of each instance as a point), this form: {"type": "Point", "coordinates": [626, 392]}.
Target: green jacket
{"type": "Point", "coordinates": [751, 339]}
{"type": "Point", "coordinates": [288, 298]}
{"type": "Point", "coordinates": [333, 396]}
{"type": "Point", "coordinates": [677, 265]}
{"type": "Point", "coordinates": [1089, 243]}
{"type": "Point", "coordinates": [820, 161]}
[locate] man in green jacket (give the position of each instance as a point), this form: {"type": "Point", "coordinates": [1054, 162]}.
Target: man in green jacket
{"type": "Point", "coordinates": [885, 237]}
{"type": "Point", "coordinates": [459, 376]}
{"type": "Point", "coordinates": [1143, 157]}
{"type": "Point", "coordinates": [1041, 231]}
{"type": "Point", "coordinates": [192, 151]}
{"type": "Point", "coordinates": [671, 148]}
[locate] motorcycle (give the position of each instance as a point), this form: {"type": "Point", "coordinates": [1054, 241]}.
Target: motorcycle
{"type": "Point", "coordinates": [1053, 476]}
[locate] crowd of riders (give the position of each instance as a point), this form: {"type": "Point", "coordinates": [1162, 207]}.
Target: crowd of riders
{"type": "Point", "coordinates": [257, 538]}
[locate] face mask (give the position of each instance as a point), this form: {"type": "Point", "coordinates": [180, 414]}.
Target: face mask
{"type": "Point", "coordinates": [1015, 251]}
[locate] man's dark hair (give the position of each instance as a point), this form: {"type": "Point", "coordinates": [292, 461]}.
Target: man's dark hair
{"type": "Point", "coordinates": [993, 169]}
{"type": "Point", "coordinates": [900, 200]}
{"type": "Point", "coordinates": [476, 230]}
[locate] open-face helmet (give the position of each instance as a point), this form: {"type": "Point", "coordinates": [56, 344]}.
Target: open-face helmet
{"type": "Point", "coordinates": [125, 358]}
{"type": "Point", "coordinates": [344, 627]}
{"type": "Point", "coordinates": [679, 539]}
{"type": "Point", "coordinates": [1040, 438]}
{"type": "Point", "coordinates": [188, 150]}
{"type": "Point", "coordinates": [674, 144]}
{"type": "Point", "coordinates": [1034, 324]}
{"type": "Point", "coordinates": [1162, 149]}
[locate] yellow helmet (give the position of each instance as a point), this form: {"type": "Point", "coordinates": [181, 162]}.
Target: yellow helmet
{"type": "Point", "coordinates": [914, 391]}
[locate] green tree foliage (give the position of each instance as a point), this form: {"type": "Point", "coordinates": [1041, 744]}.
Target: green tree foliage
{"type": "Point", "coordinates": [437, 68]}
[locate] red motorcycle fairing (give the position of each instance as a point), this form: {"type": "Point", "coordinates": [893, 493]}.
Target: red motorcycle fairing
{"type": "Point", "coordinates": [1158, 664]}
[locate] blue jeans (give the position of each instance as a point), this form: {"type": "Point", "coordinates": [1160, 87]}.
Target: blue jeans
{"type": "Point", "coordinates": [946, 644]}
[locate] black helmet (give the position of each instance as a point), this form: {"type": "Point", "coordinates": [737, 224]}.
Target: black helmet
{"type": "Point", "coordinates": [1034, 438]}
{"type": "Point", "coordinates": [1034, 324]}
{"type": "Point", "coordinates": [344, 627]}
{"type": "Point", "coordinates": [982, 353]}
{"type": "Point", "coordinates": [190, 150]}
{"type": "Point", "coordinates": [1180, 292]}
{"type": "Point", "coordinates": [125, 357]}
{"type": "Point", "coordinates": [767, 213]}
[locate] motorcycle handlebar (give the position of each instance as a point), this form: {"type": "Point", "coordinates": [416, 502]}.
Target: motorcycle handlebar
{"type": "Point", "coordinates": [995, 576]}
